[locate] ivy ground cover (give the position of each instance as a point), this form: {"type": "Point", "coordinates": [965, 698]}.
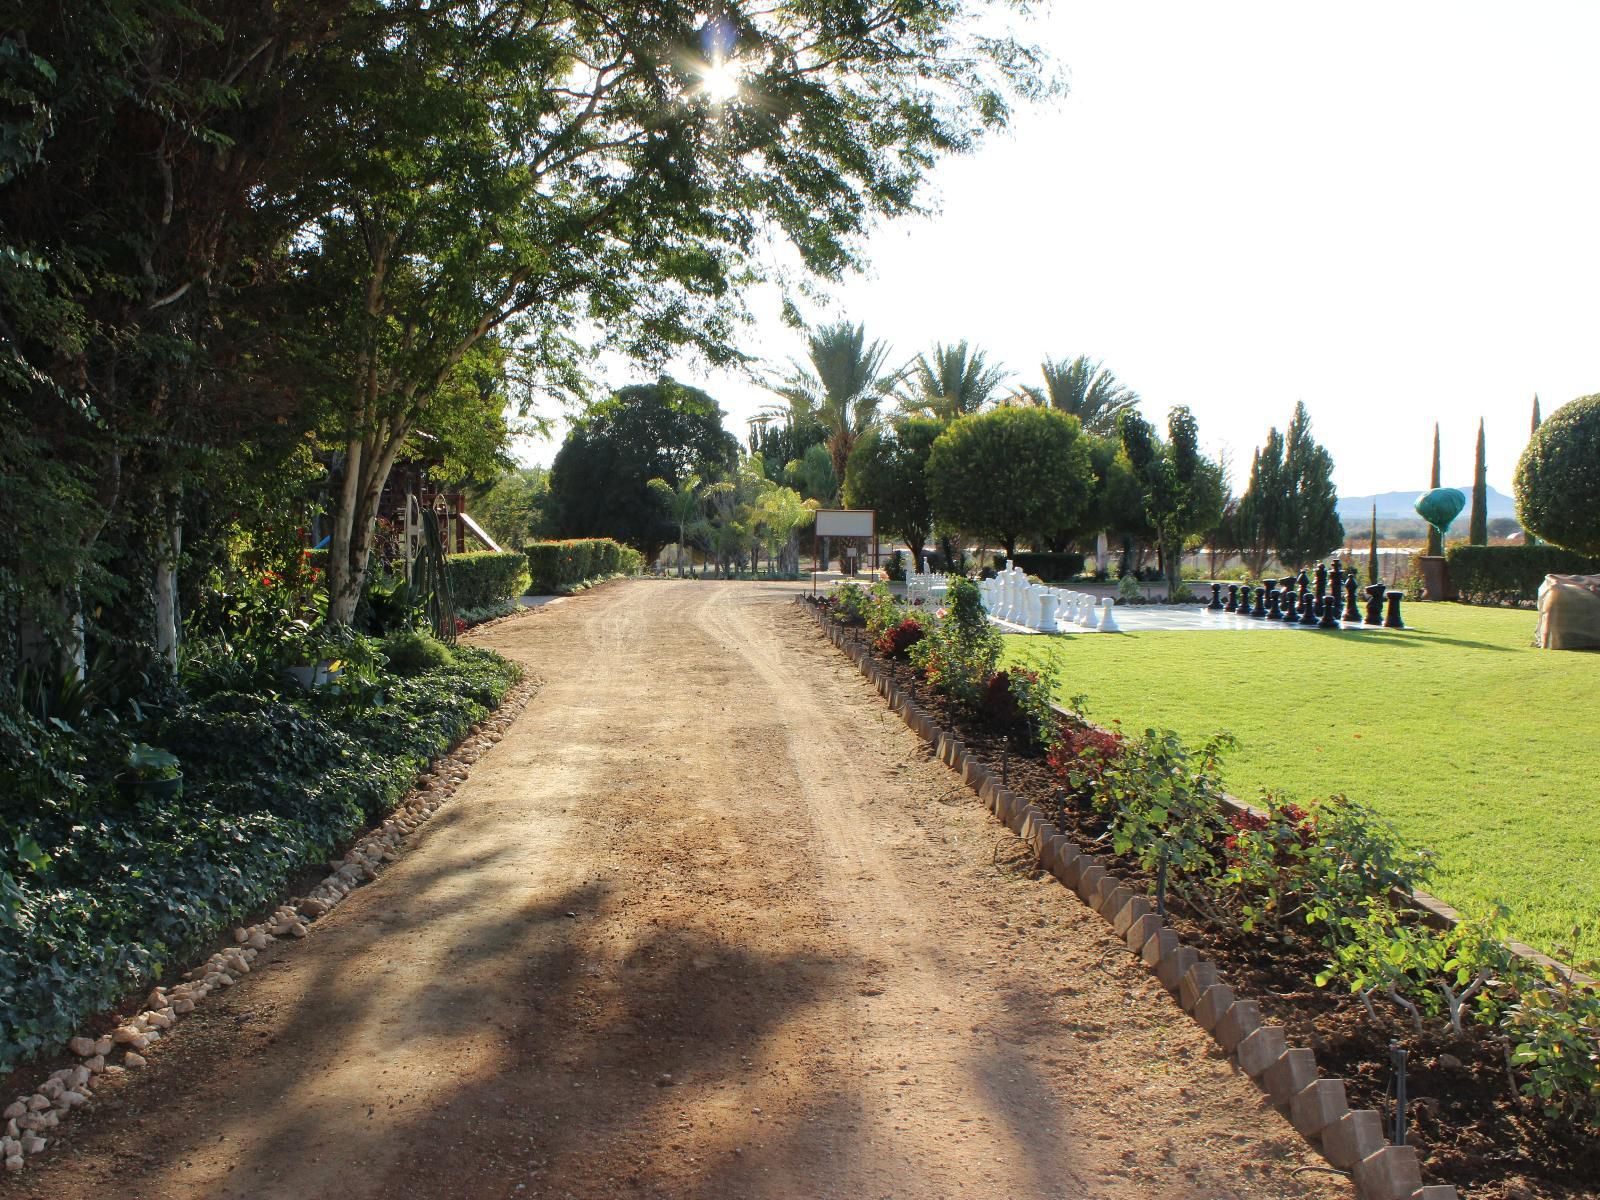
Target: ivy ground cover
{"type": "Point", "coordinates": [1476, 745]}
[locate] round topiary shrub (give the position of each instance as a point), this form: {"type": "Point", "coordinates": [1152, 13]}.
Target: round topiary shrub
{"type": "Point", "coordinates": [412, 652]}
{"type": "Point", "coordinates": [1557, 483]}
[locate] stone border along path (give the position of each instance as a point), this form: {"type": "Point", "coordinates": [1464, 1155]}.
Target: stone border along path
{"type": "Point", "coordinates": [31, 1116]}
{"type": "Point", "coordinates": [1351, 1140]}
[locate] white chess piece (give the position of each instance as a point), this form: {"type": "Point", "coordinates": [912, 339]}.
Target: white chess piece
{"type": "Point", "coordinates": [1046, 622]}
{"type": "Point", "coordinates": [1108, 621]}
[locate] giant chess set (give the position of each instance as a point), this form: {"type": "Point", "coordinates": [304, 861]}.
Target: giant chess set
{"type": "Point", "coordinates": [1324, 599]}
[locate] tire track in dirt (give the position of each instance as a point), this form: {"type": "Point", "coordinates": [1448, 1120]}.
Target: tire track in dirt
{"type": "Point", "coordinates": [708, 922]}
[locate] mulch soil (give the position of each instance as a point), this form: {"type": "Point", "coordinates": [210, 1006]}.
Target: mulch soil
{"type": "Point", "coordinates": [1469, 1125]}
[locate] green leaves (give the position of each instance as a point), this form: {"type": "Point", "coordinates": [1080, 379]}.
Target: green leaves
{"type": "Point", "coordinates": [1010, 473]}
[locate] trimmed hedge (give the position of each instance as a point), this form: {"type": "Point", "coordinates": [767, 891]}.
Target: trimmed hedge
{"type": "Point", "coordinates": [1511, 575]}
{"type": "Point", "coordinates": [561, 566]}
{"type": "Point", "coordinates": [485, 578]}
{"type": "Point", "coordinates": [1049, 567]}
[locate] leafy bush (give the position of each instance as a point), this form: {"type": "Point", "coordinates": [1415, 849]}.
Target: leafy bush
{"type": "Point", "coordinates": [561, 566]}
{"type": "Point", "coordinates": [849, 603]}
{"type": "Point", "coordinates": [1555, 1032]}
{"type": "Point", "coordinates": [111, 896]}
{"type": "Point", "coordinates": [413, 652]}
{"type": "Point", "coordinates": [1020, 702]}
{"type": "Point", "coordinates": [896, 641]}
{"type": "Point", "coordinates": [1128, 589]}
{"type": "Point", "coordinates": [480, 579]}
{"type": "Point", "coordinates": [1511, 575]}
{"type": "Point", "coordinates": [1080, 755]}
{"type": "Point", "coordinates": [1164, 799]}
{"type": "Point", "coordinates": [1557, 482]}
{"type": "Point", "coordinates": [896, 568]}
{"type": "Point", "coordinates": [1049, 567]}
{"type": "Point", "coordinates": [959, 654]}
{"type": "Point", "coordinates": [1320, 867]}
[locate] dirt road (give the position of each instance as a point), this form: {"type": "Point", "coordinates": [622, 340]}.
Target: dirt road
{"type": "Point", "coordinates": [708, 922]}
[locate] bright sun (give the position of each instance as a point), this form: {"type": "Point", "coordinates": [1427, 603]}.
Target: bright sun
{"type": "Point", "coordinates": [719, 81]}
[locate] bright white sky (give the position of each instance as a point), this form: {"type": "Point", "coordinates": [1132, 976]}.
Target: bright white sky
{"type": "Point", "coordinates": [1385, 210]}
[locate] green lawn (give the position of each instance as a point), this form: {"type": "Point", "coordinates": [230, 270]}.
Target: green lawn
{"type": "Point", "coordinates": [1474, 744]}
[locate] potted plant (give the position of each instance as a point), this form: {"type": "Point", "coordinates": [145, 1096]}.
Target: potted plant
{"type": "Point", "coordinates": [310, 662]}
{"type": "Point", "coordinates": [153, 772]}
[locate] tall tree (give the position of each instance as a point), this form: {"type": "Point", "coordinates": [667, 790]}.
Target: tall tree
{"type": "Point", "coordinates": [1261, 508]}
{"type": "Point", "coordinates": [839, 387]}
{"type": "Point", "coordinates": [1372, 548]}
{"type": "Point", "coordinates": [1010, 473]}
{"type": "Point", "coordinates": [1535, 426]}
{"type": "Point", "coordinates": [1310, 525]}
{"type": "Point", "coordinates": [146, 150]}
{"type": "Point", "coordinates": [1182, 489]}
{"type": "Point", "coordinates": [953, 381]}
{"type": "Point", "coordinates": [612, 168]}
{"type": "Point", "coordinates": [1435, 545]}
{"type": "Point", "coordinates": [1084, 389]}
{"type": "Point", "coordinates": [1478, 527]}
{"type": "Point", "coordinates": [683, 504]}
{"type": "Point", "coordinates": [888, 472]}
{"type": "Point", "coordinates": [600, 480]}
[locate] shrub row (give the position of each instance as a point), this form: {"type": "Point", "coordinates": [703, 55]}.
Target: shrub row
{"type": "Point", "coordinates": [485, 578]}
{"type": "Point", "coordinates": [122, 890]}
{"type": "Point", "coordinates": [1511, 575]}
{"type": "Point", "coordinates": [1049, 567]}
{"type": "Point", "coordinates": [560, 566]}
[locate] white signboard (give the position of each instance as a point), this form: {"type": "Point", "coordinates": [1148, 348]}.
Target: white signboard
{"type": "Point", "coordinates": [845, 522]}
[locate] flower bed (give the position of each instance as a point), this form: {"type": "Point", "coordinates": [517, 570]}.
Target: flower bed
{"type": "Point", "coordinates": [1293, 908]}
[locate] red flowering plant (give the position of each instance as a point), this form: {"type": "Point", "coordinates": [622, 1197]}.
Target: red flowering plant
{"type": "Point", "coordinates": [1315, 866]}
{"type": "Point", "coordinates": [1081, 754]}
{"type": "Point", "coordinates": [897, 640]}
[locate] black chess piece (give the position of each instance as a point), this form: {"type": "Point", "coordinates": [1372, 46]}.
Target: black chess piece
{"type": "Point", "coordinates": [1322, 580]}
{"type": "Point", "coordinates": [1259, 612]}
{"type": "Point", "coordinates": [1216, 598]}
{"type": "Point", "coordinates": [1308, 612]}
{"type": "Point", "coordinates": [1304, 581]}
{"type": "Point", "coordinates": [1374, 595]}
{"type": "Point", "coordinates": [1352, 614]}
{"type": "Point", "coordinates": [1336, 579]}
{"type": "Point", "coordinates": [1274, 610]}
{"type": "Point", "coordinates": [1391, 619]}
{"type": "Point", "coordinates": [1233, 599]}
{"type": "Point", "coordinates": [1329, 617]}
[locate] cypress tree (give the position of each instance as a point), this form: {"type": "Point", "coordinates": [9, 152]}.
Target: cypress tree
{"type": "Point", "coordinates": [1372, 549]}
{"type": "Point", "coordinates": [1309, 520]}
{"type": "Point", "coordinates": [1528, 538]}
{"type": "Point", "coordinates": [1435, 542]}
{"type": "Point", "coordinates": [1478, 526]}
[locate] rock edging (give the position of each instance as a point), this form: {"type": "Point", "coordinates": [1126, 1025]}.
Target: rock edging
{"type": "Point", "coordinates": [1350, 1139]}
{"type": "Point", "coordinates": [107, 1055]}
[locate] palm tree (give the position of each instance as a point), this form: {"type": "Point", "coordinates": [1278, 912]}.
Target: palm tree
{"type": "Point", "coordinates": [840, 388]}
{"type": "Point", "coordinates": [955, 381]}
{"type": "Point", "coordinates": [1083, 388]}
{"type": "Point", "coordinates": [683, 506]}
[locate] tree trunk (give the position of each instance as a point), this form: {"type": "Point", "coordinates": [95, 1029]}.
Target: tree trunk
{"type": "Point", "coordinates": [166, 588]}
{"type": "Point", "coordinates": [367, 470]}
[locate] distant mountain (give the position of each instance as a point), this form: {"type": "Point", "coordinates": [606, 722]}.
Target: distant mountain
{"type": "Point", "coordinates": [1399, 504]}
